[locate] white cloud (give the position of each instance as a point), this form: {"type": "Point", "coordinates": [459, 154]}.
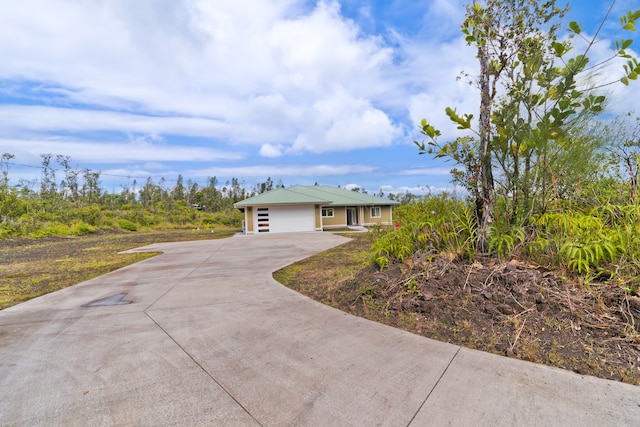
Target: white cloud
{"type": "Point", "coordinates": [242, 72]}
{"type": "Point", "coordinates": [317, 50]}
{"type": "Point", "coordinates": [440, 84]}
{"type": "Point", "coordinates": [269, 150]}
{"type": "Point", "coordinates": [138, 150]}
{"type": "Point", "coordinates": [351, 186]}
{"type": "Point", "coordinates": [431, 171]}
{"type": "Point", "coordinates": [284, 170]}
{"type": "Point", "coordinates": [283, 79]}
{"type": "Point", "coordinates": [341, 122]}
{"type": "Point", "coordinates": [23, 118]}
{"type": "Point", "coordinates": [606, 73]}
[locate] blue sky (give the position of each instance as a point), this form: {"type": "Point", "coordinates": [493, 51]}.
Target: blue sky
{"type": "Point", "coordinates": [299, 91]}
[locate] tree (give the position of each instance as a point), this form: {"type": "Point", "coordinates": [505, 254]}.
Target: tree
{"type": "Point", "coordinates": [265, 186]}
{"type": "Point", "coordinates": [48, 184]}
{"type": "Point", "coordinates": [623, 133]}
{"type": "Point", "coordinates": [11, 206]}
{"type": "Point", "coordinates": [178, 192]}
{"type": "Point", "coordinates": [4, 170]}
{"type": "Point", "coordinates": [91, 188]}
{"type": "Point", "coordinates": [149, 193]}
{"type": "Point", "coordinates": [210, 196]}
{"type": "Point", "coordinates": [529, 104]}
{"type": "Point", "coordinates": [70, 185]}
{"type": "Point", "coordinates": [192, 192]}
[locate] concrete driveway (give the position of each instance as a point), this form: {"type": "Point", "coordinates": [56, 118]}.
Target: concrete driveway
{"type": "Point", "coordinates": [209, 338]}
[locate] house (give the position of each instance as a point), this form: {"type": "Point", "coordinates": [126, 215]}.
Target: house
{"type": "Point", "coordinates": [312, 208]}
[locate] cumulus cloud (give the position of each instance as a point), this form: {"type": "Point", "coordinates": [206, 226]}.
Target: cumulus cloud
{"type": "Point", "coordinates": [264, 73]}
{"type": "Point", "coordinates": [269, 150]}
{"type": "Point", "coordinates": [351, 187]}
{"type": "Point", "coordinates": [443, 83]}
{"type": "Point", "coordinates": [255, 81]}
{"type": "Point", "coordinates": [340, 122]}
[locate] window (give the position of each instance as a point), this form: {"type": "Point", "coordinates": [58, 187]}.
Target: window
{"type": "Point", "coordinates": [375, 212]}
{"type": "Point", "coordinates": [327, 212]}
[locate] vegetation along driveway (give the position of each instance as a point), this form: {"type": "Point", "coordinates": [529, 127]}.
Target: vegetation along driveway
{"type": "Point", "coordinates": [204, 335]}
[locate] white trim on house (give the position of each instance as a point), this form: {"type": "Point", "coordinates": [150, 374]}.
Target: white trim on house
{"type": "Point", "coordinates": [327, 212]}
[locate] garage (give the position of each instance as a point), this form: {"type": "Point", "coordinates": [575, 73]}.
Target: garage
{"type": "Point", "coordinates": [310, 208]}
{"type": "Point", "coordinates": [284, 219]}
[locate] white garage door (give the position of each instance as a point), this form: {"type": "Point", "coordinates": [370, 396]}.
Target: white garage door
{"type": "Point", "coordinates": [285, 219]}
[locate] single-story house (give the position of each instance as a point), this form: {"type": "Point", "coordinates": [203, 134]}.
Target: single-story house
{"type": "Point", "coordinates": [312, 208]}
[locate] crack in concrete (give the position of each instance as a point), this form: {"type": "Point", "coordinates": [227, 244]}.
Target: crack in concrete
{"type": "Point", "coordinates": [434, 387]}
{"type": "Point", "coordinates": [190, 356]}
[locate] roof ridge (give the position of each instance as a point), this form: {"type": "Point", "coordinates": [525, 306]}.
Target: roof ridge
{"type": "Point", "coordinates": [355, 194]}
{"type": "Point", "coordinates": [304, 194]}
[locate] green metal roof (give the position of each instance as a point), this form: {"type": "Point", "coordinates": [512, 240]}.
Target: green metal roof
{"type": "Point", "coordinates": [314, 194]}
{"type": "Point", "coordinates": [281, 196]}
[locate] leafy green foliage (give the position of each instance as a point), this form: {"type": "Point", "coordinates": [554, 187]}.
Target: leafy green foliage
{"type": "Point", "coordinates": [432, 225]}
{"type": "Point", "coordinates": [503, 242]}
{"type": "Point", "coordinates": [530, 134]}
{"type": "Point", "coordinates": [127, 225]}
{"type": "Point", "coordinates": [601, 242]}
{"type": "Point", "coordinates": [76, 204]}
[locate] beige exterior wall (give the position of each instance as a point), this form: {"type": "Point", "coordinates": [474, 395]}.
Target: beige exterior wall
{"type": "Point", "coordinates": [248, 220]}
{"type": "Point", "coordinates": [318, 217]}
{"type": "Point", "coordinates": [385, 215]}
{"type": "Point", "coordinates": [339, 218]}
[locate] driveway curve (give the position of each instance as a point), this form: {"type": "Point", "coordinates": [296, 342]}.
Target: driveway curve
{"type": "Point", "coordinates": [203, 335]}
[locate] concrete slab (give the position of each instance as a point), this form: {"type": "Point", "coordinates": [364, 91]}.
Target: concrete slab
{"type": "Point", "coordinates": [106, 370]}
{"type": "Point", "coordinates": [494, 390]}
{"type": "Point", "coordinates": [312, 366]}
{"type": "Point", "coordinates": [209, 338]}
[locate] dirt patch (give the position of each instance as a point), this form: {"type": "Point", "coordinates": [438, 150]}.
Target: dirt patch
{"type": "Point", "coordinates": [508, 308]}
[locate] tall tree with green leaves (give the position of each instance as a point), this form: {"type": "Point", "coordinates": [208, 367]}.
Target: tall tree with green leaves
{"type": "Point", "coordinates": [530, 101]}
{"type": "Point", "coordinates": [178, 193]}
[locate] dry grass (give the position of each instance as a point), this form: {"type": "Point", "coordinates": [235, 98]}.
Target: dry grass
{"type": "Point", "coordinates": [33, 267]}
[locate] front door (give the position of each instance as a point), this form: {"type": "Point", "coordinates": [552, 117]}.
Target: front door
{"type": "Point", "coordinates": [352, 216]}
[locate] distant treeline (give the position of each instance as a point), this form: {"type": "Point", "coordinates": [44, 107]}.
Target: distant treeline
{"type": "Point", "coordinates": [70, 201]}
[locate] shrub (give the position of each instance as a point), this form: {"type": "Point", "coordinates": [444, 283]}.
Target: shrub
{"type": "Point", "coordinates": [434, 224]}
{"type": "Point", "coordinates": [89, 214]}
{"type": "Point", "coordinates": [51, 229]}
{"type": "Point", "coordinates": [127, 225]}
{"type": "Point", "coordinates": [81, 228]}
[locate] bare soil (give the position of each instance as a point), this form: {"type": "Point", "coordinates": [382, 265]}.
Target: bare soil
{"type": "Point", "coordinates": [509, 308]}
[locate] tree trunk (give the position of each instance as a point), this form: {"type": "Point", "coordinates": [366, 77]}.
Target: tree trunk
{"type": "Point", "coordinates": [487, 191]}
